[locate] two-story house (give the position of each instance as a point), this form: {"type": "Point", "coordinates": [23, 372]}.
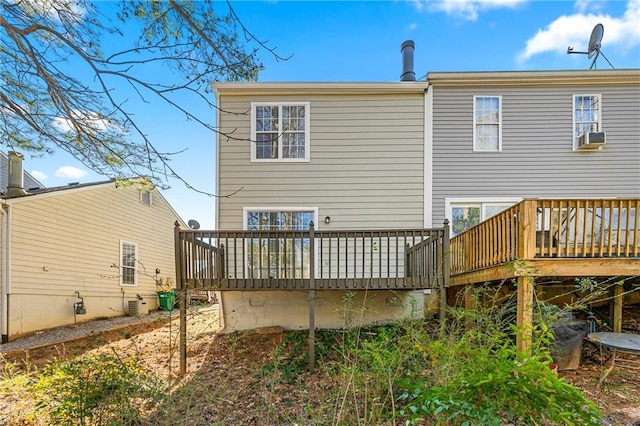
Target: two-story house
{"type": "Point", "coordinates": [410, 154]}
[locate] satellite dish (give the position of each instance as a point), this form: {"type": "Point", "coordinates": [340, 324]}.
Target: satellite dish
{"type": "Point", "coordinates": [193, 224]}
{"type": "Point", "coordinates": [595, 40]}
{"type": "Point", "coordinates": [595, 45]}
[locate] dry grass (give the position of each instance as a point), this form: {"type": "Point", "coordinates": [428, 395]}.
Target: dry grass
{"type": "Point", "coordinates": [227, 382]}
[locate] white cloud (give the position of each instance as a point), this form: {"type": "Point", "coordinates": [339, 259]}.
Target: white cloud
{"type": "Point", "coordinates": [574, 30]}
{"type": "Point", "coordinates": [39, 175]}
{"type": "Point", "coordinates": [70, 172]}
{"type": "Point", "coordinates": [592, 6]}
{"type": "Point", "coordinates": [412, 27]}
{"type": "Point", "coordinates": [90, 121]}
{"type": "Point", "coordinates": [464, 9]}
{"type": "Point", "coordinates": [72, 10]}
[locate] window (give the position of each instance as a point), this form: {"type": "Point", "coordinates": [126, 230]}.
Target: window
{"type": "Point", "coordinates": [128, 263]}
{"type": "Point", "coordinates": [586, 115]}
{"type": "Point", "coordinates": [465, 214]}
{"type": "Point", "coordinates": [487, 123]}
{"type": "Point", "coordinates": [146, 197]}
{"type": "Point", "coordinates": [286, 257]}
{"type": "Point", "coordinates": [280, 132]}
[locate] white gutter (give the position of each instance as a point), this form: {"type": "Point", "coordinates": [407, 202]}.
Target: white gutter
{"type": "Point", "coordinates": [5, 276]}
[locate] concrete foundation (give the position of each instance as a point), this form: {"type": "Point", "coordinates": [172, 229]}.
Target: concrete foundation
{"type": "Point", "coordinates": [246, 310]}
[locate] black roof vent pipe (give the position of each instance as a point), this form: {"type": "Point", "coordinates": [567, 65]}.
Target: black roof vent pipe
{"type": "Point", "coordinates": [408, 74]}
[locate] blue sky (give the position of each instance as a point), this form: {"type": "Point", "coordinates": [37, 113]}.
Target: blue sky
{"type": "Point", "coordinates": [360, 41]}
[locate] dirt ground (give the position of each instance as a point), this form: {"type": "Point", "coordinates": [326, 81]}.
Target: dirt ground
{"type": "Point", "coordinates": [225, 368]}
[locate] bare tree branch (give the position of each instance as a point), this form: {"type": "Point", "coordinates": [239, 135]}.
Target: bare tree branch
{"type": "Point", "coordinates": [49, 102]}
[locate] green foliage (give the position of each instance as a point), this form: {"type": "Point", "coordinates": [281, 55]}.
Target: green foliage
{"type": "Point", "coordinates": [98, 389]}
{"type": "Point", "coordinates": [290, 359]}
{"type": "Point", "coordinates": [490, 385]}
{"type": "Point", "coordinates": [466, 371]}
{"type": "Point", "coordinates": [478, 377]}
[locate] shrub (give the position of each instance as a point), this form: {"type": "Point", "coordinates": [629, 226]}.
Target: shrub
{"type": "Point", "coordinates": [97, 389]}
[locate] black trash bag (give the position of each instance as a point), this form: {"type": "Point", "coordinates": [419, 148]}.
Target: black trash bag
{"type": "Point", "coordinates": [567, 345]}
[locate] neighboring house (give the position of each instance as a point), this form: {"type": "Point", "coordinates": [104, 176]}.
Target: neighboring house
{"type": "Point", "coordinates": [371, 156]}
{"type": "Point", "coordinates": [100, 241]}
{"type": "Point", "coordinates": [498, 137]}
{"type": "Point", "coordinates": [29, 182]}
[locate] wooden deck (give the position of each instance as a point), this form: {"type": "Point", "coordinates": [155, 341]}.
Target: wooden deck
{"type": "Point", "coordinates": [534, 238]}
{"type": "Point", "coordinates": [551, 238]}
{"type": "Point", "coordinates": [558, 238]}
{"type": "Point", "coordinates": [320, 260]}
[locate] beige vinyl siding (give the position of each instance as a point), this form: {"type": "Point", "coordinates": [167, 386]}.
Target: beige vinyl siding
{"type": "Point", "coordinates": [537, 158]}
{"type": "Point", "coordinates": [366, 166]}
{"type": "Point", "coordinates": [67, 241]}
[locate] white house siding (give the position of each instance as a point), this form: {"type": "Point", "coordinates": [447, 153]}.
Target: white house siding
{"type": "Point", "coordinates": [537, 158]}
{"type": "Point", "coordinates": [366, 162]}
{"type": "Point", "coordinates": [66, 241]}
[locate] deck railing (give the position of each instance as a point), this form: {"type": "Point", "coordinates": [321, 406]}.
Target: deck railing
{"type": "Point", "coordinates": [550, 228]}
{"type": "Point", "coordinates": [288, 260]}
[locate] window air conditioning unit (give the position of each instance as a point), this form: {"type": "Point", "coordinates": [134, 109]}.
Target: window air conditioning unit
{"type": "Point", "coordinates": [591, 140]}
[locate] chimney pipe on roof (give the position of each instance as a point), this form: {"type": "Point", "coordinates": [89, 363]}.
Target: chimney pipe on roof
{"type": "Point", "coordinates": [15, 185]}
{"type": "Point", "coordinates": [408, 74]}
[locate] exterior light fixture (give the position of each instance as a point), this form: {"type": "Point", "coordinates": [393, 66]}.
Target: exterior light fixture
{"type": "Point", "coordinates": [327, 220]}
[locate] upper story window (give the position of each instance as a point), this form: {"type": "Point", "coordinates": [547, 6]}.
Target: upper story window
{"type": "Point", "coordinates": [487, 123]}
{"type": "Point", "coordinates": [586, 115]}
{"type": "Point", "coordinates": [128, 263]}
{"type": "Point", "coordinates": [280, 131]}
{"type": "Point", "coordinates": [146, 197]}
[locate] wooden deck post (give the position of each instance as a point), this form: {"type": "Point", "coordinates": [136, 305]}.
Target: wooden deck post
{"type": "Point", "coordinates": [526, 250]}
{"type": "Point", "coordinates": [446, 269]}
{"type": "Point", "coordinates": [312, 299]}
{"type": "Point", "coordinates": [182, 300]}
{"type": "Point", "coordinates": [616, 319]}
{"type": "Point", "coordinates": [524, 314]}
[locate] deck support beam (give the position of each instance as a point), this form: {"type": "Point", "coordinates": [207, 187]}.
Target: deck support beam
{"type": "Point", "coordinates": [524, 315]}
{"type": "Point", "coordinates": [616, 319]}
{"type": "Point", "coordinates": [312, 301]}
{"type": "Point", "coordinates": [182, 299]}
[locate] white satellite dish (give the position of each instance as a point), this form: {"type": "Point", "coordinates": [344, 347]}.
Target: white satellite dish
{"type": "Point", "coordinates": [595, 45]}
{"type": "Point", "coordinates": [193, 224]}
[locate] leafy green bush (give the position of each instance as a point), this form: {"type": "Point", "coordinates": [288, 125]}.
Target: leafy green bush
{"type": "Point", "coordinates": [98, 389]}
{"type": "Point", "coordinates": [478, 377]}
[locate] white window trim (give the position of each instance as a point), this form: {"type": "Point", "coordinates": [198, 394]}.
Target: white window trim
{"type": "Point", "coordinates": [475, 201]}
{"type": "Point", "coordinates": [246, 210]}
{"type": "Point", "coordinates": [573, 116]}
{"type": "Point", "coordinates": [142, 192]}
{"type": "Point", "coordinates": [135, 267]}
{"type": "Point", "coordinates": [307, 133]}
{"type": "Point", "coordinates": [475, 149]}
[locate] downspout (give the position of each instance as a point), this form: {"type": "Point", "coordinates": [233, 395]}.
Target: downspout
{"type": "Point", "coordinates": [5, 277]}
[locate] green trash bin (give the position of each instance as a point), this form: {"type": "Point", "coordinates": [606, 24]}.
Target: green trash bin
{"type": "Point", "coordinates": [166, 300]}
